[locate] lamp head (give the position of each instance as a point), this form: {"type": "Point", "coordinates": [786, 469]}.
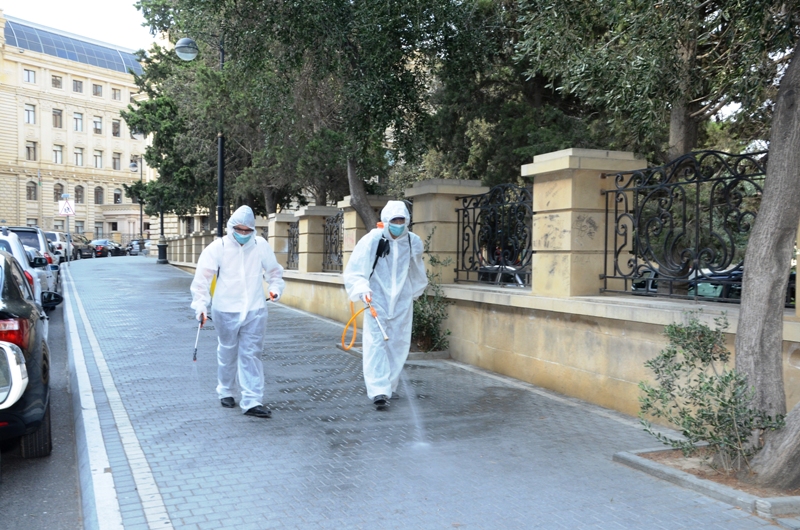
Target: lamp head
{"type": "Point", "coordinates": [186, 49]}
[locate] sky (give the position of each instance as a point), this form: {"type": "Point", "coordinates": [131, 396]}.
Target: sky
{"type": "Point", "coordinates": [111, 21]}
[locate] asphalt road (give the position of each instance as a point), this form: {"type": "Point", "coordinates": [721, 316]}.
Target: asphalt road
{"type": "Point", "coordinates": [43, 493]}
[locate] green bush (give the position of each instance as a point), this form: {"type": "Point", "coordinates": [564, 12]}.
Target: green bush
{"type": "Point", "coordinates": [430, 310]}
{"type": "Point", "coordinates": [698, 393]}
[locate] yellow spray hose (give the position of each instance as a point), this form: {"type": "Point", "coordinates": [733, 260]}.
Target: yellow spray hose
{"type": "Point", "coordinates": [355, 326]}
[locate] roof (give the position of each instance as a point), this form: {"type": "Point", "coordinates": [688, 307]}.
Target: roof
{"type": "Point", "coordinates": [30, 36]}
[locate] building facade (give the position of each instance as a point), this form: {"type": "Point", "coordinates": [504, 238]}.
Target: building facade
{"type": "Point", "coordinates": [61, 132]}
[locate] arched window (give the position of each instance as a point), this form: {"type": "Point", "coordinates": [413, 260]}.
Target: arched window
{"type": "Point", "coordinates": [117, 196]}
{"type": "Point", "coordinates": [30, 191]}
{"type": "Point", "coordinates": [78, 194]}
{"type": "Point", "coordinates": [58, 190]}
{"type": "Point", "coordinates": [98, 195]}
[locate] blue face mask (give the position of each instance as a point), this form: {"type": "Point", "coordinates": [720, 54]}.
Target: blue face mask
{"type": "Point", "coordinates": [397, 230]}
{"type": "Point", "coordinates": [242, 239]}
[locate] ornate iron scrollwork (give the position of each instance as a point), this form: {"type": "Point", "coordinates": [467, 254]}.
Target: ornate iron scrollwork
{"type": "Point", "coordinates": [494, 236]}
{"type": "Point", "coordinates": [681, 229]}
{"type": "Point", "coordinates": [332, 243]}
{"type": "Point", "coordinates": [293, 259]}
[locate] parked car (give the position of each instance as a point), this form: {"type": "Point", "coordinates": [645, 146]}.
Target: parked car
{"type": "Point", "coordinates": [52, 273]}
{"type": "Point", "coordinates": [35, 276]}
{"type": "Point", "coordinates": [133, 248]}
{"type": "Point", "coordinates": [34, 237]}
{"type": "Point", "coordinates": [62, 245]}
{"type": "Point", "coordinates": [22, 324]}
{"type": "Point", "coordinates": [105, 247]}
{"type": "Point", "coordinates": [81, 247]}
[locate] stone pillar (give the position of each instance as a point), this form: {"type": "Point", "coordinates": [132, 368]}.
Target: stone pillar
{"type": "Point", "coordinates": [569, 221]}
{"type": "Point", "coordinates": [354, 228]}
{"type": "Point", "coordinates": [311, 225]}
{"type": "Point", "coordinates": [279, 235]}
{"type": "Point", "coordinates": [435, 207]}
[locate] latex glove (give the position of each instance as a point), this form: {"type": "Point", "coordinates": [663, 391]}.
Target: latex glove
{"type": "Point", "coordinates": [366, 298]}
{"type": "Point", "coordinates": [274, 297]}
{"type": "Point", "coordinates": [201, 316]}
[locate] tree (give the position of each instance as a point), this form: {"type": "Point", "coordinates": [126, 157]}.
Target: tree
{"type": "Point", "coordinates": [665, 62]}
{"type": "Point", "coordinates": [759, 340]}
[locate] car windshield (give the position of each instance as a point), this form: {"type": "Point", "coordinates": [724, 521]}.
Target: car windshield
{"type": "Point", "coordinates": [51, 236]}
{"type": "Point", "coordinates": [28, 238]}
{"type": "Point", "coordinates": [100, 242]}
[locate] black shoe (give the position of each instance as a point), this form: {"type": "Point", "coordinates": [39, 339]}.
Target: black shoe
{"type": "Point", "coordinates": [259, 412]}
{"type": "Point", "coordinates": [381, 401]}
{"type": "Point", "coordinates": [227, 402]}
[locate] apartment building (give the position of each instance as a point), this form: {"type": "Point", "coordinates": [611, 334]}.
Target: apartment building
{"type": "Point", "coordinates": [61, 131]}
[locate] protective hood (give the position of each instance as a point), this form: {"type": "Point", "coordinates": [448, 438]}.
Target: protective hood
{"type": "Point", "coordinates": [242, 216]}
{"type": "Point", "coordinates": [392, 210]}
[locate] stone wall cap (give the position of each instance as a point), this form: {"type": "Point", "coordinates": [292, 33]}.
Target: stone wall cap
{"type": "Point", "coordinates": [323, 211]}
{"type": "Point", "coordinates": [446, 187]}
{"type": "Point", "coordinates": [376, 201]}
{"type": "Point", "coordinates": [282, 217]}
{"type": "Point", "coordinates": [593, 159]}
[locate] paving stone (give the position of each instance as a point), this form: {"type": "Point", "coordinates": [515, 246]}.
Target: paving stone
{"type": "Point", "coordinates": [458, 450]}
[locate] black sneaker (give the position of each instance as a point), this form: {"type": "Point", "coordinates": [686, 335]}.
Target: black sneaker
{"type": "Point", "coordinates": [259, 412]}
{"type": "Point", "coordinates": [381, 401]}
{"type": "Point", "coordinates": [227, 402]}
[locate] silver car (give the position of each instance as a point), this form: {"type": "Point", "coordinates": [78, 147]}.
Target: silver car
{"type": "Point", "coordinates": [36, 276]}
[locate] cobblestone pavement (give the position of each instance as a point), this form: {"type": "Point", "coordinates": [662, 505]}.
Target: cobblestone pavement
{"type": "Point", "coordinates": [461, 448]}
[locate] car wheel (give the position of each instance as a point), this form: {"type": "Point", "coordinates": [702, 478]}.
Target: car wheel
{"type": "Point", "coordinates": [39, 443]}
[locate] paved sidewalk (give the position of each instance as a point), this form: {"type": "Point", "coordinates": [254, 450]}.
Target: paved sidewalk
{"type": "Point", "coordinates": [461, 448]}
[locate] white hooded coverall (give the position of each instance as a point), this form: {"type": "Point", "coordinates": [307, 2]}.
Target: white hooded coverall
{"type": "Point", "coordinates": [398, 280]}
{"type": "Point", "coordinates": [240, 310]}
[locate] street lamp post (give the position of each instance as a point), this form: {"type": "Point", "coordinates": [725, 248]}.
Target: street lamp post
{"type": "Point", "coordinates": [187, 50]}
{"type": "Point", "coordinates": [138, 163]}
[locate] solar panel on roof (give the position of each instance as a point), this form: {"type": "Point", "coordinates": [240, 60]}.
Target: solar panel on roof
{"type": "Point", "coordinates": [38, 40]}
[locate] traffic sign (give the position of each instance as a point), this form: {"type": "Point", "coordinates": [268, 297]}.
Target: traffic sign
{"type": "Point", "coordinates": [66, 208]}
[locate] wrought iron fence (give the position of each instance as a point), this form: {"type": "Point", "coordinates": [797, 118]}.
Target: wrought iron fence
{"type": "Point", "coordinates": [681, 230]}
{"type": "Point", "coordinates": [293, 259]}
{"type": "Point", "coordinates": [332, 243]}
{"type": "Point", "coordinates": [494, 236]}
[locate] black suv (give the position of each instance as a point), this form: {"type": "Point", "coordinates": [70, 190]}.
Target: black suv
{"type": "Point", "coordinates": [22, 323]}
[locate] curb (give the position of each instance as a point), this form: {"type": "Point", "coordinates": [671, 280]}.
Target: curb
{"type": "Point", "coordinates": [770, 507]}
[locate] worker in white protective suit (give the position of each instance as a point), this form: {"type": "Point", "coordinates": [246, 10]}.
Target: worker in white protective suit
{"type": "Point", "coordinates": [386, 270]}
{"type": "Point", "coordinates": [240, 260]}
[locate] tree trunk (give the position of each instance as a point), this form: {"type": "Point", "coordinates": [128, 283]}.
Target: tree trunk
{"type": "Point", "coordinates": [759, 339]}
{"type": "Point", "coordinates": [269, 201]}
{"type": "Point", "coordinates": [320, 196]}
{"type": "Point", "coordinates": [358, 196]}
{"type": "Point", "coordinates": [212, 218]}
{"type": "Point", "coordinates": [682, 130]}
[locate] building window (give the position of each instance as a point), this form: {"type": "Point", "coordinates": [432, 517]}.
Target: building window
{"type": "Point", "coordinates": [116, 161]}
{"type": "Point", "coordinates": [58, 190]}
{"type": "Point", "coordinates": [30, 151]}
{"type": "Point", "coordinates": [113, 226]}
{"type": "Point", "coordinates": [77, 86]}
{"type": "Point", "coordinates": [58, 121]}
{"type": "Point", "coordinates": [32, 222]}
{"type": "Point", "coordinates": [58, 154]}
{"type": "Point", "coordinates": [116, 94]}
{"type": "Point", "coordinates": [58, 225]}
{"type": "Point", "coordinates": [78, 195]}
{"type": "Point", "coordinates": [97, 125]}
{"type": "Point", "coordinates": [117, 196]}
{"type": "Point", "coordinates": [97, 90]}
{"type": "Point", "coordinates": [29, 76]}
{"type": "Point", "coordinates": [30, 113]}
{"type": "Point", "coordinates": [30, 191]}
{"type": "Point", "coordinates": [79, 227]}
{"type": "Point", "coordinates": [79, 156]}
{"type": "Point", "coordinates": [77, 119]}
{"type": "Point", "coordinates": [56, 81]}
{"type": "Point", "coordinates": [98, 230]}
{"type": "Point", "coordinates": [98, 159]}
{"type": "Point", "coordinates": [98, 195]}
{"type": "Point", "coordinates": [115, 128]}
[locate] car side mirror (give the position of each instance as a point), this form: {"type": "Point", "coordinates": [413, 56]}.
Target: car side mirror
{"type": "Point", "coordinates": [39, 262]}
{"type": "Point", "coordinates": [51, 299]}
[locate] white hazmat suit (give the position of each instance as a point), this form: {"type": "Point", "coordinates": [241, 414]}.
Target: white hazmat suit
{"type": "Point", "coordinates": [398, 279]}
{"type": "Point", "coordinates": [239, 310]}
